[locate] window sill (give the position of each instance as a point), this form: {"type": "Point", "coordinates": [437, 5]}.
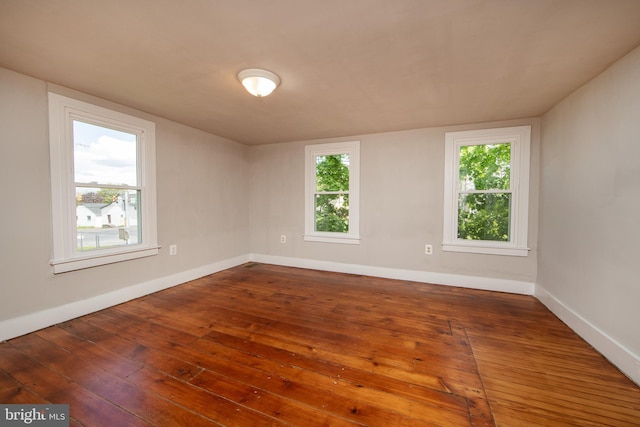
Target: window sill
{"type": "Point", "coordinates": [97, 259]}
{"type": "Point", "coordinates": [485, 249]}
{"type": "Point", "coordinates": [345, 240]}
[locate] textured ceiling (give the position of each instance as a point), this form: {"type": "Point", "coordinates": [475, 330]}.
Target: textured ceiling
{"type": "Point", "coordinates": [347, 66]}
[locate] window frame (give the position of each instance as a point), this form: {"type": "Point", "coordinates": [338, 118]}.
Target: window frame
{"type": "Point", "coordinates": [520, 139]}
{"type": "Point", "coordinates": [62, 111]}
{"type": "Point", "coordinates": [352, 148]}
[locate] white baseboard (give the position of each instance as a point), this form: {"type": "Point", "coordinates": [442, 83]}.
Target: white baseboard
{"type": "Point", "coordinates": [475, 282]}
{"type": "Point", "coordinates": [17, 326]}
{"type": "Point", "coordinates": [616, 353]}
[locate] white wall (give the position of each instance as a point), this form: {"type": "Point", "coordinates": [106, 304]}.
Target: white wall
{"type": "Point", "coordinates": [589, 261]}
{"type": "Point", "coordinates": [202, 181]}
{"type": "Point", "coordinates": [402, 196]}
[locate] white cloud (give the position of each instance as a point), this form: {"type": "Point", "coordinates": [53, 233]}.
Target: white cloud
{"type": "Point", "coordinates": [106, 160]}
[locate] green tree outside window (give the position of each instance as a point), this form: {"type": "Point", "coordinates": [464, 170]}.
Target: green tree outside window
{"type": "Point", "coordinates": [484, 197]}
{"type": "Point", "coordinates": [332, 193]}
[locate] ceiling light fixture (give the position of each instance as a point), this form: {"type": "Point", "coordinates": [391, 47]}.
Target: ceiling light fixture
{"type": "Point", "coordinates": [258, 82]}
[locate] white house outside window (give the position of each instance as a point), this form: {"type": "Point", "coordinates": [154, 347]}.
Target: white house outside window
{"type": "Point", "coordinates": [332, 192]}
{"type": "Point", "coordinates": [103, 185]}
{"type": "Point", "coordinates": [487, 191]}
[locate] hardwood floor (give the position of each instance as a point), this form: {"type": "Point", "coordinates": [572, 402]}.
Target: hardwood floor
{"type": "Point", "coordinates": [261, 345]}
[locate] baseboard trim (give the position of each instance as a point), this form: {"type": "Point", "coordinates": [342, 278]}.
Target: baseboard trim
{"type": "Point", "coordinates": [474, 282]}
{"type": "Point", "coordinates": [21, 325]}
{"type": "Point", "coordinates": [616, 353]}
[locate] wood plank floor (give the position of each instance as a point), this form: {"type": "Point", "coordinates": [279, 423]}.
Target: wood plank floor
{"type": "Point", "coordinates": [263, 345]}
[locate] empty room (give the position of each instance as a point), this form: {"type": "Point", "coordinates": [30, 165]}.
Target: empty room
{"type": "Point", "coordinates": [320, 213]}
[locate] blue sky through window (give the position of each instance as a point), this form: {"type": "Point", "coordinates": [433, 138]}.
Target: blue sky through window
{"type": "Point", "coordinates": [103, 155]}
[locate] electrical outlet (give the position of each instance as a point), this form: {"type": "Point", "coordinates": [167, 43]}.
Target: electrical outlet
{"type": "Point", "coordinates": [428, 249]}
{"type": "Point", "coordinates": [173, 249]}
{"type": "Point", "coordinates": [283, 238]}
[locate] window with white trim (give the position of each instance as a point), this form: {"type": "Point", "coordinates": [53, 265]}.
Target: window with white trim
{"type": "Point", "coordinates": [332, 192]}
{"type": "Point", "coordinates": [486, 202]}
{"type": "Point", "coordinates": [102, 185]}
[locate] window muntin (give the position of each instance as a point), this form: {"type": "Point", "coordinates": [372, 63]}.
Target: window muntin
{"type": "Point", "coordinates": [486, 191]}
{"type": "Point", "coordinates": [332, 175]}
{"type": "Point", "coordinates": [103, 185]}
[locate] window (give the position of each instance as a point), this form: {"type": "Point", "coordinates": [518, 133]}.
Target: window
{"type": "Point", "coordinates": [332, 192]}
{"type": "Point", "coordinates": [487, 191]}
{"type": "Point", "coordinates": [102, 167]}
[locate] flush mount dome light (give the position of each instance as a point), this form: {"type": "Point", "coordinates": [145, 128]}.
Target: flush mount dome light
{"type": "Point", "coordinates": [258, 82]}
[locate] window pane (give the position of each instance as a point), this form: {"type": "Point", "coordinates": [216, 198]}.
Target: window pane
{"type": "Point", "coordinates": [485, 167]}
{"type": "Point", "coordinates": [332, 212]}
{"type": "Point", "coordinates": [332, 173]}
{"type": "Point", "coordinates": [107, 217]}
{"type": "Point", "coordinates": [104, 156]}
{"type": "Point", "coordinates": [484, 216]}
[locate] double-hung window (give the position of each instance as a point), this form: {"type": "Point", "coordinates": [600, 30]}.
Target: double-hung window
{"type": "Point", "coordinates": [102, 185]}
{"type": "Point", "coordinates": [487, 191]}
{"type": "Point", "coordinates": [332, 192]}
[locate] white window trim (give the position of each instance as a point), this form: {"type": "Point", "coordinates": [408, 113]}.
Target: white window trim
{"type": "Point", "coordinates": [520, 137]}
{"type": "Point", "coordinates": [311, 152]}
{"type": "Point", "coordinates": [62, 111]}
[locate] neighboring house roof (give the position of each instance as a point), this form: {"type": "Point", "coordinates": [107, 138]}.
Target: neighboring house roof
{"type": "Point", "coordinates": [96, 208]}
